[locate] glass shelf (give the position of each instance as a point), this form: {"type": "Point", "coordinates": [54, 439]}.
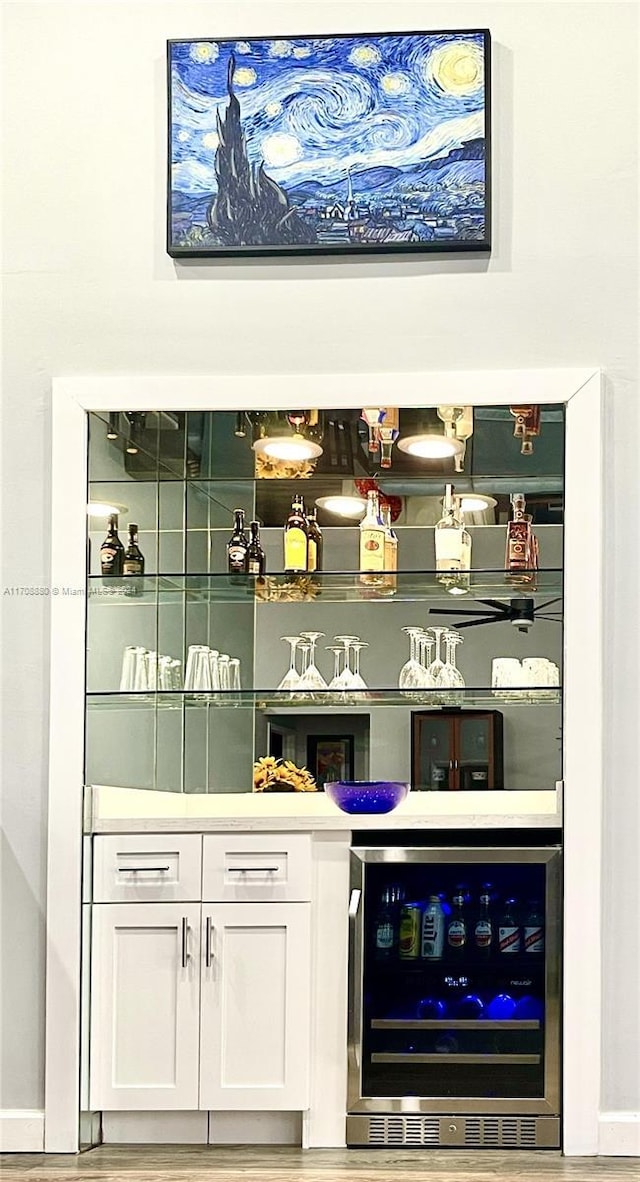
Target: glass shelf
{"type": "Point", "coordinates": [328, 587]}
{"type": "Point", "coordinates": [279, 702]}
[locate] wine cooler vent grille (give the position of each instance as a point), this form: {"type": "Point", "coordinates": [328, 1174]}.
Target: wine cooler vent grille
{"type": "Point", "coordinates": [505, 1132]}
{"type": "Point", "coordinates": [404, 1130]}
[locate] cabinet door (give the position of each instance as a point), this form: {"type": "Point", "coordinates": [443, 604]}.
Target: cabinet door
{"type": "Point", "coordinates": [479, 751]}
{"type": "Point", "coordinates": [145, 1001]}
{"type": "Point", "coordinates": [433, 752]}
{"type": "Point", "coordinates": [254, 1050]}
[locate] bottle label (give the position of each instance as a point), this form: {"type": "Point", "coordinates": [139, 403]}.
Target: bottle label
{"type": "Point", "coordinates": [482, 934]}
{"type": "Point", "coordinates": [372, 549]}
{"type": "Point", "coordinates": [518, 544]}
{"type": "Point", "coordinates": [295, 549]}
{"type": "Point", "coordinates": [457, 934]}
{"type": "Point", "coordinates": [107, 556]}
{"type": "Point", "coordinates": [448, 548]}
{"type": "Point", "coordinates": [236, 556]}
{"type": "Point", "coordinates": [509, 939]}
{"type": "Point", "coordinates": [409, 942]}
{"type": "Point", "coordinates": [132, 566]}
{"type": "Point", "coordinates": [313, 555]}
{"type": "Point", "coordinates": [384, 936]}
{"type": "Point", "coordinates": [432, 935]}
{"type": "Point", "coordinates": [533, 939]}
{"type": "Point", "coordinates": [253, 566]}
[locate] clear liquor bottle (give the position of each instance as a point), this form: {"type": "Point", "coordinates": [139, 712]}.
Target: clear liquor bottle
{"type": "Point", "coordinates": [390, 550]}
{"type": "Point", "coordinates": [448, 541]}
{"type": "Point", "coordinates": [372, 543]}
{"type": "Point", "coordinates": [461, 583]}
{"type": "Point", "coordinates": [388, 431]}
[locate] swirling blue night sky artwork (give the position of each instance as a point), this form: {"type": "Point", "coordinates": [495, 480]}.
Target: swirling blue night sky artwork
{"type": "Point", "coordinates": [306, 144]}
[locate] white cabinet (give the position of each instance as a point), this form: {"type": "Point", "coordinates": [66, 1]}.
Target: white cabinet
{"type": "Point", "coordinates": [254, 1052]}
{"type": "Point", "coordinates": [145, 1019]}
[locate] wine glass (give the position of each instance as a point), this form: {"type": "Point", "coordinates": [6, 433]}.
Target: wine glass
{"type": "Point", "coordinates": [358, 682]}
{"type": "Point", "coordinates": [291, 679]}
{"type": "Point", "coordinates": [336, 681]}
{"type": "Point", "coordinates": [411, 672]}
{"type": "Point", "coordinates": [437, 665]}
{"type": "Point", "coordinates": [450, 676]}
{"type": "Point", "coordinates": [312, 678]}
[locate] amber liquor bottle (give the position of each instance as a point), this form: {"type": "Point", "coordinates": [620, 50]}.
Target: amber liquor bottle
{"type": "Point", "coordinates": [521, 549]}
{"type": "Point", "coordinates": [296, 539]}
{"type": "Point", "coordinates": [255, 561]}
{"type": "Point", "coordinates": [316, 541]}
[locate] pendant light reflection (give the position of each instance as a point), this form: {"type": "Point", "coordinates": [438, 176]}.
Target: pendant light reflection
{"type": "Point", "coordinates": [431, 446]}
{"type": "Point", "coordinates": [105, 509]}
{"type": "Point", "coordinates": [345, 505]}
{"type": "Point", "coordinates": [287, 447]}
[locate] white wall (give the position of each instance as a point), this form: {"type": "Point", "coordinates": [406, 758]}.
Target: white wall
{"type": "Point", "coordinates": [89, 289]}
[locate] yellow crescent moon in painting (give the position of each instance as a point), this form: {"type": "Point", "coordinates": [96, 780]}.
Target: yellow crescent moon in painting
{"type": "Point", "coordinates": [457, 69]}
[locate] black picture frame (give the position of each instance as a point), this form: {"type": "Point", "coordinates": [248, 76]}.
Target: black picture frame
{"type": "Point", "coordinates": [352, 249]}
{"type": "Point", "coordinates": [330, 757]}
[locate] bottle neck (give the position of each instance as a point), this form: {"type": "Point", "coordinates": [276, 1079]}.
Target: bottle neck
{"type": "Point", "coordinates": [239, 525]}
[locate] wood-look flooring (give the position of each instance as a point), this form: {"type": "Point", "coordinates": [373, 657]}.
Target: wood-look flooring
{"type": "Point", "coordinates": [275, 1164]}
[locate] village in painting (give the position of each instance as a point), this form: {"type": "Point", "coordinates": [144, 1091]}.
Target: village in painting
{"type": "Point", "coordinates": [328, 143]}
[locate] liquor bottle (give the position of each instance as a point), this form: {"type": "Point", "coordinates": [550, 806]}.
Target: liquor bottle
{"type": "Point", "coordinates": [237, 545]}
{"type": "Point", "coordinates": [483, 927]}
{"type": "Point", "coordinates": [533, 931]}
{"type": "Point", "coordinates": [460, 584]}
{"type": "Point", "coordinates": [112, 550]}
{"type": "Point", "coordinates": [133, 560]}
{"type": "Point", "coordinates": [526, 427]}
{"type": "Point", "coordinates": [458, 424]}
{"type": "Point", "coordinates": [521, 544]}
{"type": "Point", "coordinates": [390, 550]}
{"type": "Point", "coordinates": [448, 539]}
{"type": "Point", "coordinates": [384, 927]}
{"type": "Point", "coordinates": [372, 416]}
{"type": "Point", "coordinates": [509, 939]}
{"type": "Point", "coordinates": [433, 925]}
{"type": "Point", "coordinates": [457, 928]}
{"type": "Point", "coordinates": [388, 431]}
{"type": "Point", "coordinates": [316, 541]}
{"type": "Point", "coordinates": [296, 539]}
{"type": "Point", "coordinates": [255, 557]}
{"type": "Point", "coordinates": [372, 543]}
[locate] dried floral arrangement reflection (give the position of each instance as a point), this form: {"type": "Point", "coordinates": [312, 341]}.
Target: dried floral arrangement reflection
{"type": "Point", "coordinates": [297, 589]}
{"type": "Point", "coordinates": [278, 775]}
{"type": "Point", "coordinates": [269, 468]}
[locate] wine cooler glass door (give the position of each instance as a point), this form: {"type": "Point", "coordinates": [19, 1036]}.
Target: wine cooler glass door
{"type": "Point", "coordinates": [455, 980]}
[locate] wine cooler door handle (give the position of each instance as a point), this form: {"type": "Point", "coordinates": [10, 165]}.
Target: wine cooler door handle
{"type": "Point", "coordinates": [208, 931]}
{"type": "Point", "coordinates": [354, 902]}
{"type": "Point", "coordinates": [185, 941]}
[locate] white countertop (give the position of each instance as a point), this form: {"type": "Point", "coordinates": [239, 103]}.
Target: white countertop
{"type": "Point", "coordinates": [133, 810]}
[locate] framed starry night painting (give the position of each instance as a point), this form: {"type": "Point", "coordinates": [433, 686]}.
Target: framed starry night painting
{"type": "Point", "coordinates": [346, 144]}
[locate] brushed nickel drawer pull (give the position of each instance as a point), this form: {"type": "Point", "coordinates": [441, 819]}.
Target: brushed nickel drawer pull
{"type": "Point", "coordinates": [143, 869]}
{"type": "Point", "coordinates": [253, 869]}
{"type": "Point", "coordinates": [208, 955]}
{"type": "Point", "coordinates": [185, 942]}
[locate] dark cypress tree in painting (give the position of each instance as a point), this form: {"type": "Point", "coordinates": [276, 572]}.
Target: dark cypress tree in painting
{"type": "Point", "coordinates": [249, 208]}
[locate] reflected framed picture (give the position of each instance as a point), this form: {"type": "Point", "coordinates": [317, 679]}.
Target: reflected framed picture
{"type": "Point", "coordinates": [329, 144]}
{"type": "Point", "coordinates": [330, 757]}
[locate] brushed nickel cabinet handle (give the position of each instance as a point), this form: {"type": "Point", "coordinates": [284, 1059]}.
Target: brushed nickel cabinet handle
{"type": "Point", "coordinates": [185, 941]}
{"type": "Point", "coordinates": [252, 869]}
{"type": "Point", "coordinates": [208, 956]}
{"type": "Point", "coordinates": [143, 869]}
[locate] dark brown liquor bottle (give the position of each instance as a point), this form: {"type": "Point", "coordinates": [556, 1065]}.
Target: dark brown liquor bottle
{"type": "Point", "coordinates": [237, 545]}
{"type": "Point", "coordinates": [133, 561]}
{"type": "Point", "coordinates": [255, 562]}
{"type": "Point", "coordinates": [112, 550]}
{"type": "Point", "coordinates": [316, 541]}
{"type": "Point", "coordinates": [296, 539]}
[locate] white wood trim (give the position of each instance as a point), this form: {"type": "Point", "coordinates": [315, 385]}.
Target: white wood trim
{"type": "Point", "coordinates": [21, 1130]}
{"type": "Point", "coordinates": [235, 391]}
{"type": "Point", "coordinates": [66, 773]}
{"type": "Point", "coordinates": [619, 1134]}
{"type": "Point", "coordinates": [75, 395]}
{"type": "Point", "coordinates": [583, 771]}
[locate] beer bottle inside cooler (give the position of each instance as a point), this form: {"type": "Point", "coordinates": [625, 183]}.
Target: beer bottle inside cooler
{"type": "Point", "coordinates": [457, 927]}
{"type": "Point", "coordinates": [384, 926]}
{"type": "Point", "coordinates": [410, 927]}
{"type": "Point", "coordinates": [509, 939]}
{"type": "Point", "coordinates": [433, 925]}
{"type": "Point", "coordinates": [483, 927]}
{"type": "Point", "coordinates": [534, 930]}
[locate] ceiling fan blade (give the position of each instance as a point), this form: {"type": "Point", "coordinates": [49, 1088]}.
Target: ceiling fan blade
{"type": "Point", "coordinates": [454, 611]}
{"type": "Point", "coordinates": [541, 606]}
{"type": "Point", "coordinates": [551, 619]}
{"type": "Point", "coordinates": [486, 620]}
{"type": "Point", "coordinates": [497, 604]}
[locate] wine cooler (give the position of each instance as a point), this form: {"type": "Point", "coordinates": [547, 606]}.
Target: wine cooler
{"type": "Point", "coordinates": [454, 996]}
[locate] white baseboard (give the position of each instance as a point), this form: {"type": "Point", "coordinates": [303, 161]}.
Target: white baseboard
{"type": "Point", "coordinates": [619, 1134]}
{"type": "Point", "coordinates": [21, 1130]}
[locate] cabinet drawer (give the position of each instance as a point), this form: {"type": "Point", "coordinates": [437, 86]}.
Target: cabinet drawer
{"type": "Point", "coordinates": [147, 869]}
{"type": "Point", "coordinates": [256, 868]}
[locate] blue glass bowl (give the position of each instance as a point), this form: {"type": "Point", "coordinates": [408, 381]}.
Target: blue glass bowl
{"type": "Point", "coordinates": [366, 796]}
